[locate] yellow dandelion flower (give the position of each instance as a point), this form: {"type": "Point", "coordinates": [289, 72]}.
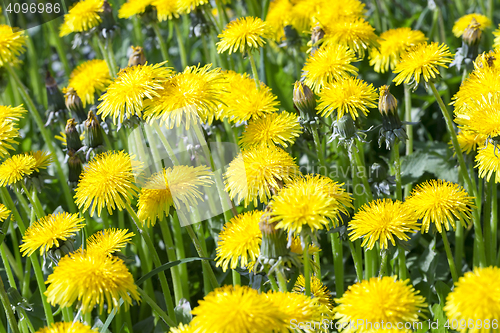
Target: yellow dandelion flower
{"type": "Point", "coordinates": [16, 168]}
{"type": "Point", "coordinates": [236, 309]}
{"type": "Point", "coordinates": [475, 90]}
{"type": "Point", "coordinates": [133, 7]}
{"type": "Point", "coordinates": [42, 160]}
{"type": "Point", "coordinates": [243, 35]}
{"type": "Point", "coordinates": [109, 241]}
{"type": "Point", "coordinates": [166, 9]}
{"type": "Point", "coordinates": [68, 327]}
{"type": "Point", "coordinates": [171, 187]}
{"type": "Point", "coordinates": [393, 43]}
{"type": "Point", "coordinates": [83, 16]}
{"type": "Point", "coordinates": [422, 61]}
{"type": "Point", "coordinates": [90, 78]}
{"type": "Point", "coordinates": [92, 278]}
{"type": "Point", "coordinates": [488, 162]}
{"type": "Point", "coordinates": [50, 231]}
{"type": "Point", "coordinates": [296, 247]}
{"type": "Point", "coordinates": [278, 16]}
{"type": "Point", "coordinates": [355, 33]}
{"type": "Point", "coordinates": [382, 220]}
{"type": "Point", "coordinates": [239, 241]}
{"type": "Point", "coordinates": [476, 297]}
{"type": "Point", "coordinates": [462, 23]}
{"type": "Point", "coordinates": [482, 116]}
{"type": "Point", "coordinates": [347, 96]}
{"type": "Point", "coordinates": [107, 181]}
{"type": "Point", "coordinates": [274, 129]}
{"type": "Point", "coordinates": [327, 10]}
{"type": "Point", "coordinates": [186, 6]}
{"type": "Point", "coordinates": [182, 329]}
{"type": "Point", "coordinates": [243, 101]}
{"type": "Point", "coordinates": [496, 41]}
{"type": "Point", "coordinates": [8, 136]}
{"type": "Point", "coordinates": [470, 140]}
{"type": "Point", "coordinates": [298, 308]}
{"type": "Point", "coordinates": [258, 171]}
{"type": "Point", "coordinates": [440, 202]}
{"type": "Point", "coordinates": [379, 300]}
{"type": "Point", "coordinates": [187, 96]}
{"type": "Point", "coordinates": [12, 43]}
{"type": "Point", "coordinates": [302, 204]}
{"type": "Point", "coordinates": [125, 97]}
{"type": "Point", "coordinates": [4, 213]}
{"type": "Point", "coordinates": [12, 113]}
{"type": "Point", "coordinates": [327, 64]}
{"type": "Point", "coordinates": [319, 292]}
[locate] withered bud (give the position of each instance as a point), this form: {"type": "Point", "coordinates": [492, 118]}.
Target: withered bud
{"type": "Point", "coordinates": [346, 127]}
{"type": "Point", "coordinates": [108, 21]}
{"type": "Point", "coordinates": [94, 137]}
{"type": "Point", "coordinates": [472, 34]}
{"type": "Point", "coordinates": [304, 100]}
{"type": "Point", "coordinates": [137, 57]}
{"type": "Point", "coordinates": [73, 141]}
{"type": "Point", "coordinates": [387, 103]}
{"type": "Point", "coordinates": [74, 104]}
{"type": "Point", "coordinates": [317, 35]}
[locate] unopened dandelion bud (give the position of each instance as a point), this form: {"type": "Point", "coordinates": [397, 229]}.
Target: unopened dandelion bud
{"type": "Point", "coordinates": [387, 103]}
{"type": "Point", "coordinates": [316, 37]}
{"type": "Point", "coordinates": [346, 127]}
{"type": "Point", "coordinates": [274, 241]}
{"type": "Point", "coordinates": [108, 21]}
{"type": "Point", "coordinates": [74, 104]}
{"type": "Point", "coordinates": [74, 167]}
{"type": "Point", "coordinates": [137, 57]}
{"type": "Point", "coordinates": [94, 137]}
{"type": "Point", "coordinates": [472, 33]}
{"type": "Point", "coordinates": [304, 100]}
{"type": "Point", "coordinates": [55, 98]}
{"type": "Point", "coordinates": [73, 141]}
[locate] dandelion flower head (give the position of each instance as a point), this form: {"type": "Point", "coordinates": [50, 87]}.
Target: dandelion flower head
{"type": "Point", "coordinates": [243, 35]}
{"type": "Point", "coordinates": [90, 78]}
{"type": "Point", "coordinates": [12, 43]}
{"type": "Point", "coordinates": [462, 23]}
{"type": "Point", "coordinates": [109, 241]}
{"type": "Point", "coordinates": [83, 16]}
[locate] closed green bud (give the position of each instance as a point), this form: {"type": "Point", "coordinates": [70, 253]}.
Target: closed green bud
{"type": "Point", "coordinates": [472, 34]}
{"type": "Point", "coordinates": [74, 104]}
{"type": "Point", "coordinates": [74, 167]}
{"type": "Point", "coordinates": [94, 137]}
{"type": "Point", "coordinates": [304, 100]}
{"type": "Point", "coordinates": [73, 141]}
{"type": "Point", "coordinates": [55, 98]}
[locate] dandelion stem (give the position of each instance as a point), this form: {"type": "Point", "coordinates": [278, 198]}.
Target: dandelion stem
{"type": "Point", "coordinates": [165, 143]}
{"type": "Point", "coordinates": [487, 220]}
{"type": "Point", "coordinates": [169, 245]}
{"type": "Point", "coordinates": [317, 143]}
{"type": "Point", "coordinates": [46, 137]}
{"type": "Point", "coordinates": [8, 308]}
{"type": "Point", "coordinates": [58, 45]}
{"type": "Point", "coordinates": [281, 280]}
{"type": "Point", "coordinates": [180, 41]}
{"type": "Point", "coordinates": [274, 285]}
{"type": "Point", "coordinates": [397, 166]}
{"type": "Point", "coordinates": [181, 253]}
{"type": "Point", "coordinates": [307, 268]}
{"type": "Point", "coordinates": [156, 260]}
{"type": "Point", "coordinates": [105, 55]}
{"type": "Point", "coordinates": [451, 261]}
{"type": "Point", "coordinates": [161, 41]}
{"type": "Point", "coordinates": [409, 130]}
{"type": "Point", "coordinates": [358, 261]}
{"type": "Point", "coordinates": [111, 55]}
{"type": "Point", "coordinates": [362, 168]}
{"type": "Point", "coordinates": [383, 263]}
{"type": "Point", "coordinates": [166, 318]}
{"type": "Point", "coordinates": [338, 264]}
{"type": "Point", "coordinates": [494, 220]}
{"type": "Point", "coordinates": [463, 170]}
{"type": "Point", "coordinates": [254, 69]}
{"type": "Point", "coordinates": [236, 277]}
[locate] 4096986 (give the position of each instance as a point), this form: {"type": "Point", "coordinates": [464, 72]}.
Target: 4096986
{"type": "Point", "coordinates": [33, 8]}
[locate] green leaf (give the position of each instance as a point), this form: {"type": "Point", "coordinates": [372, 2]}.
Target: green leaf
{"type": "Point", "coordinates": [442, 290]}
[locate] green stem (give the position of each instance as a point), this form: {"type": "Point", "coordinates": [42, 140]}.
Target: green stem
{"type": "Point", "coordinates": [361, 167]}
{"type": "Point", "coordinates": [166, 318]}
{"type": "Point", "coordinates": [156, 260]}
{"type": "Point", "coordinates": [161, 41]}
{"type": "Point", "coordinates": [8, 308]}
{"type": "Point", "coordinates": [451, 261]}
{"type": "Point", "coordinates": [180, 42]}
{"type": "Point", "coordinates": [321, 154]}
{"type": "Point", "coordinates": [377, 16]}
{"type": "Point", "coordinates": [281, 280]}
{"type": "Point", "coordinates": [46, 137]}
{"type": "Point", "coordinates": [6, 265]}
{"type": "Point", "coordinates": [358, 261]}
{"type": "Point", "coordinates": [383, 263]}
{"type": "Point", "coordinates": [165, 143]}
{"type": "Point", "coordinates": [181, 253]}
{"type": "Point", "coordinates": [169, 245]}
{"type": "Point", "coordinates": [307, 268]}
{"type": "Point", "coordinates": [33, 198]}
{"type": "Point", "coordinates": [397, 166]}
{"type": "Point", "coordinates": [463, 170]}
{"type": "Point", "coordinates": [139, 38]}
{"type": "Point", "coordinates": [236, 277]}
{"type": "Point", "coordinates": [111, 56]}
{"type": "Point", "coordinates": [460, 7]}
{"type": "Point", "coordinates": [338, 264]}
{"type": "Point", "coordinates": [201, 252]}
{"type": "Point", "coordinates": [402, 264]}
{"type": "Point", "coordinates": [274, 285]}
{"type": "Point", "coordinates": [254, 69]}
{"type": "Point", "coordinates": [105, 55]}
{"type": "Point", "coordinates": [409, 130]}
{"type": "Point", "coordinates": [494, 221]}
{"type": "Point", "coordinates": [487, 220]}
